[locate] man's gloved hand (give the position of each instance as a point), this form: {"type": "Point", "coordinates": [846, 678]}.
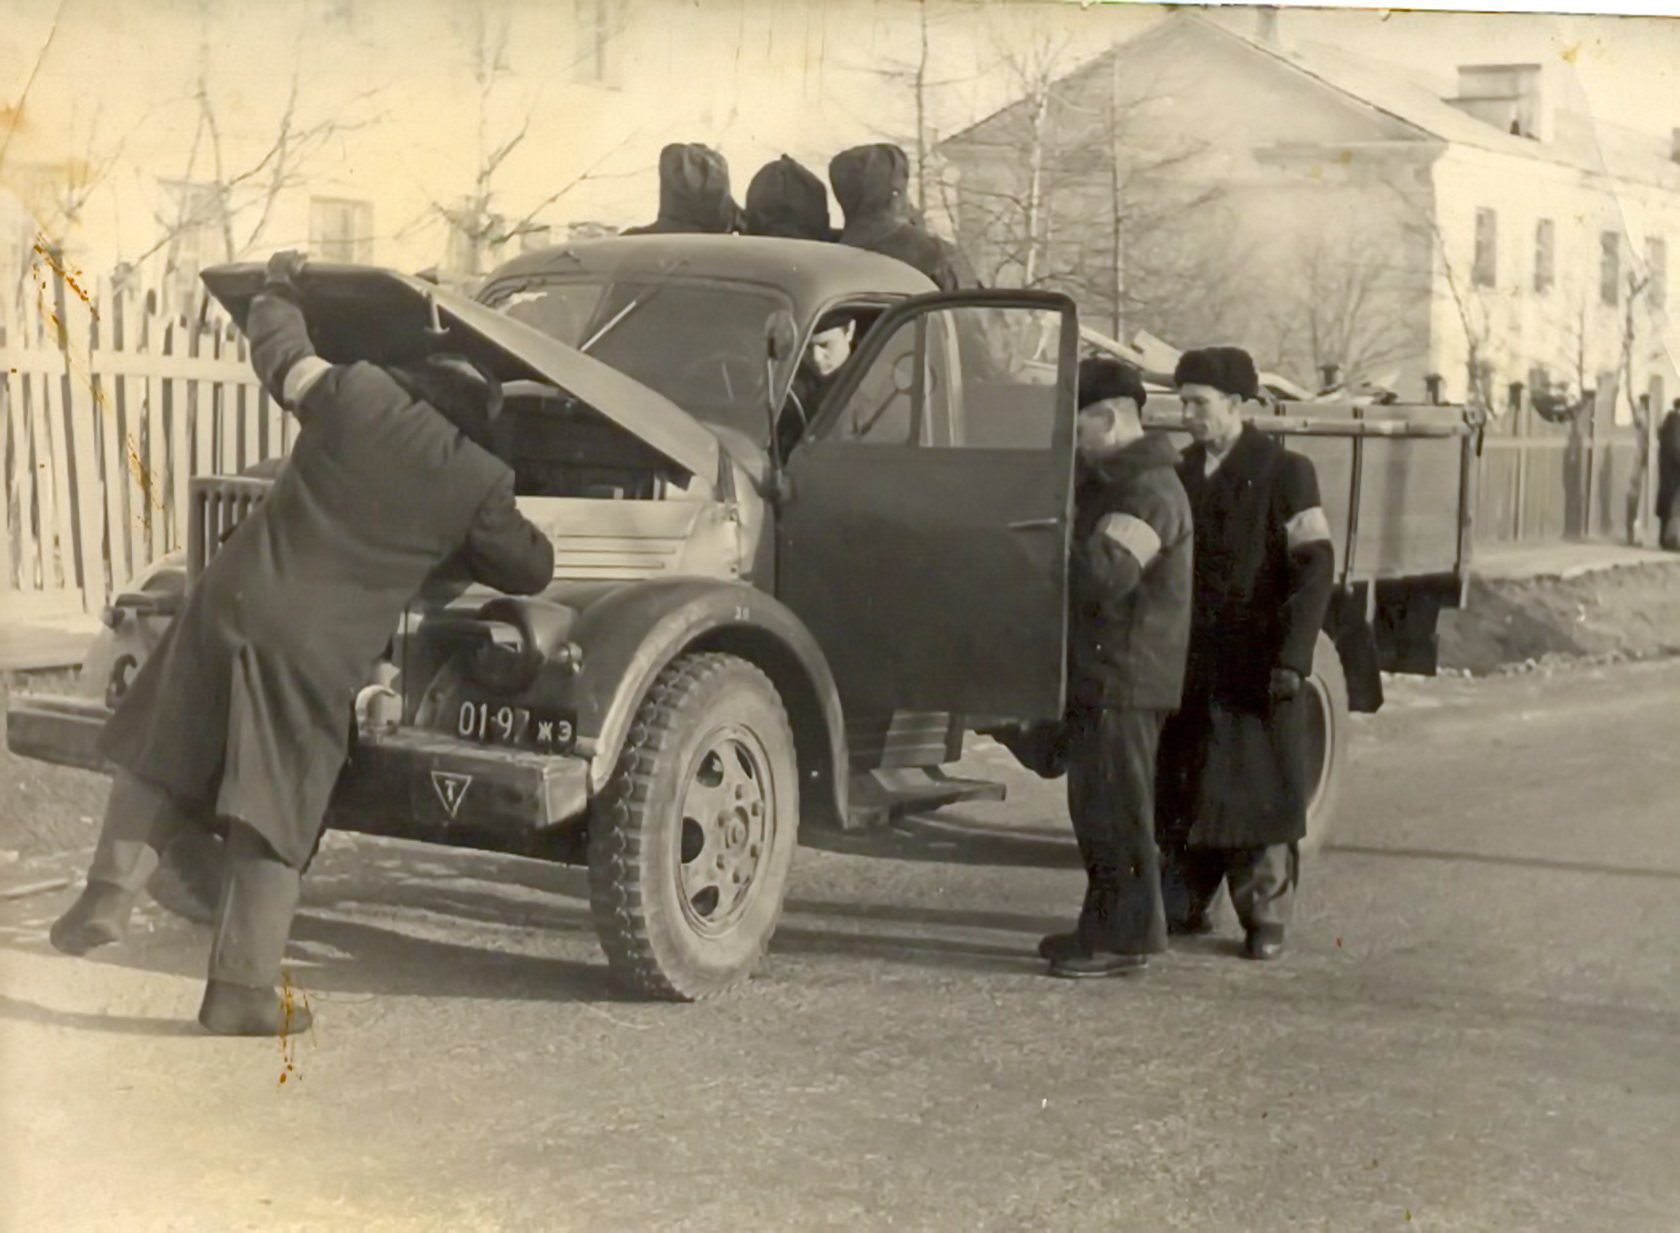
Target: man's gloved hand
{"type": "Point", "coordinates": [284, 269]}
{"type": "Point", "coordinates": [1286, 683]}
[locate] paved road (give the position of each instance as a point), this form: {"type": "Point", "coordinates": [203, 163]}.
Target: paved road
{"type": "Point", "coordinates": [1478, 1028]}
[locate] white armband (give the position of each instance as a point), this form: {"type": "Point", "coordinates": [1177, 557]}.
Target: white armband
{"type": "Point", "coordinates": [1310, 526]}
{"type": "Point", "coordinates": [1132, 534]}
{"type": "Point", "coordinates": [301, 378]}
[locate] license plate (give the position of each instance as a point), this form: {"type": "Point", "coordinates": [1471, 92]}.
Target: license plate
{"type": "Point", "coordinates": [521, 727]}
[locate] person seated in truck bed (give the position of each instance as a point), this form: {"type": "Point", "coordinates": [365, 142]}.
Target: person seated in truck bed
{"type": "Point", "coordinates": [872, 183]}
{"type": "Point", "coordinates": [786, 199]}
{"type": "Point", "coordinates": [244, 710]}
{"type": "Point", "coordinates": [693, 193]}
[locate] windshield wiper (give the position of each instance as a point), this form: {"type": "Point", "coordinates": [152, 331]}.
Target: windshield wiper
{"type": "Point", "coordinates": [631, 307]}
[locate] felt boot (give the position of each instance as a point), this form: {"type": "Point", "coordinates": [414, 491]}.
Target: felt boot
{"type": "Point", "coordinates": [97, 918]}
{"type": "Point", "coordinates": [259, 895]}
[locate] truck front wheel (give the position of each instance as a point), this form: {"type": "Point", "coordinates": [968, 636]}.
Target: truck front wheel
{"type": "Point", "coordinates": [1327, 740]}
{"type": "Point", "coordinates": [690, 846]}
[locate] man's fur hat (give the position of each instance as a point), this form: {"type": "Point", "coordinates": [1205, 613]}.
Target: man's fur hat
{"type": "Point", "coordinates": [1102, 378]}
{"type": "Point", "coordinates": [1227, 369]}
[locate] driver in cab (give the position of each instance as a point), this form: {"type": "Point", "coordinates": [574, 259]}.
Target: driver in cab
{"type": "Point", "coordinates": [830, 348]}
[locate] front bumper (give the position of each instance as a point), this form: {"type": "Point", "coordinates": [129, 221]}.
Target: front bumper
{"type": "Point", "coordinates": [408, 783]}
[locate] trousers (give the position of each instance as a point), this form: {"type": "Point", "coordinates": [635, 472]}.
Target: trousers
{"type": "Point", "coordinates": [259, 890]}
{"type": "Point", "coordinates": [1262, 881]}
{"type": "Point", "coordinates": [1111, 800]}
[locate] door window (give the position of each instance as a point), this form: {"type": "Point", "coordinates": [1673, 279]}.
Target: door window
{"type": "Point", "coordinates": [881, 409]}
{"type": "Point", "coordinates": [970, 376]}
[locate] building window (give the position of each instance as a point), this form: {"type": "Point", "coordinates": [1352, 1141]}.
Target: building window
{"type": "Point", "coordinates": [340, 229]}
{"type": "Point", "coordinates": [1485, 272]}
{"type": "Point", "coordinates": [594, 56]}
{"type": "Point", "coordinates": [1545, 269]}
{"type": "Point", "coordinates": [1610, 268]}
{"type": "Point", "coordinates": [195, 213]}
{"type": "Point", "coordinates": [1656, 271]}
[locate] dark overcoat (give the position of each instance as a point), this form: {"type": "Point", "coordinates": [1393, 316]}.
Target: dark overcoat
{"type": "Point", "coordinates": [1234, 762]}
{"type": "Point", "coordinates": [1668, 481]}
{"type": "Point", "coordinates": [247, 703]}
{"type": "Point", "coordinates": [871, 184]}
{"type": "Point", "coordinates": [1130, 580]}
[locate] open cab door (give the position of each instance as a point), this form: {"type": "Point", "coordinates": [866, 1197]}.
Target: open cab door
{"type": "Point", "coordinates": [923, 530]}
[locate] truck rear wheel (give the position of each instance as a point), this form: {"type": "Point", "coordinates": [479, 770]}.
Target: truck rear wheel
{"type": "Point", "coordinates": [1327, 740]}
{"type": "Point", "coordinates": [690, 846]}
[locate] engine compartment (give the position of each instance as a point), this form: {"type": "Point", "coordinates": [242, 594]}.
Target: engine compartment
{"type": "Point", "coordinates": [558, 447]}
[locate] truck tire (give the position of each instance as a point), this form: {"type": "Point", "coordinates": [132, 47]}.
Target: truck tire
{"type": "Point", "coordinates": [1327, 740]}
{"type": "Point", "coordinates": [691, 844]}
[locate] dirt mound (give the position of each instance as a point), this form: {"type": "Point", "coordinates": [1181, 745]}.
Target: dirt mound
{"type": "Point", "coordinates": [1626, 612]}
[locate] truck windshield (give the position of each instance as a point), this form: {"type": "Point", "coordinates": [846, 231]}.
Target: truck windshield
{"type": "Point", "coordinates": [702, 345]}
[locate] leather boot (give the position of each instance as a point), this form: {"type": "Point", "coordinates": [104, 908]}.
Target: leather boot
{"type": "Point", "coordinates": [259, 895]}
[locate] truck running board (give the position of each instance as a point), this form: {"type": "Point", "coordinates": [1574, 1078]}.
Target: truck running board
{"type": "Point", "coordinates": [878, 797]}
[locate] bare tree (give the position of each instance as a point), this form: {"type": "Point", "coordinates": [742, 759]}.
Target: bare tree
{"type": "Point", "coordinates": [917, 77]}
{"type": "Point", "coordinates": [477, 222]}
{"type": "Point", "coordinates": [1473, 308]}
{"type": "Point", "coordinates": [63, 194]}
{"type": "Point", "coordinates": [1639, 479]}
{"type": "Point", "coordinates": [1343, 305]}
{"type": "Point", "coordinates": [229, 194]}
{"type": "Point", "coordinates": [1072, 188]}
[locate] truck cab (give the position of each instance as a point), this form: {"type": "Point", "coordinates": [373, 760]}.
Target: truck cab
{"type": "Point", "coordinates": [741, 617]}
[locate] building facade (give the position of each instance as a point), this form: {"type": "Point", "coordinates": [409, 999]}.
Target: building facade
{"type": "Point", "coordinates": [1467, 240]}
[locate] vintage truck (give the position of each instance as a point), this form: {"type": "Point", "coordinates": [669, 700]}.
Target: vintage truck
{"type": "Point", "coordinates": [755, 600]}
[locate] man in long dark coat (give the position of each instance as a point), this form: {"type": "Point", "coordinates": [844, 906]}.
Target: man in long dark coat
{"type": "Point", "coordinates": [1130, 624]}
{"type": "Point", "coordinates": [1234, 778]}
{"type": "Point", "coordinates": [1668, 479]}
{"type": "Point", "coordinates": [244, 710]}
{"type": "Point", "coordinates": [694, 195]}
{"type": "Point", "coordinates": [872, 184]}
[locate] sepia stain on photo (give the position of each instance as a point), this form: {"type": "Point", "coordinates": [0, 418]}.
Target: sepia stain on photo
{"type": "Point", "coordinates": [780, 614]}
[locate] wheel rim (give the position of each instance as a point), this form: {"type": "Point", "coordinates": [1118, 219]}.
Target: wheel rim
{"type": "Point", "coordinates": [727, 830]}
{"type": "Point", "coordinates": [1320, 738]}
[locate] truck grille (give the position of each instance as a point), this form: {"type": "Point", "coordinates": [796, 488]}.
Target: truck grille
{"type": "Point", "coordinates": [219, 504]}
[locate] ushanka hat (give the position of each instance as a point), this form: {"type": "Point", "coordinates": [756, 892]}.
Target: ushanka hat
{"type": "Point", "coordinates": [1229, 370]}
{"type": "Point", "coordinates": [1102, 378]}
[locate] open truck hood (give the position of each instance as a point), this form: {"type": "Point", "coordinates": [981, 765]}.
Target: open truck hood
{"type": "Point", "coordinates": [358, 312]}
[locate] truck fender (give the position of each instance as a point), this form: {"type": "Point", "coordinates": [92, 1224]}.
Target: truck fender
{"type": "Point", "coordinates": [131, 630]}
{"type": "Point", "coordinates": [629, 636]}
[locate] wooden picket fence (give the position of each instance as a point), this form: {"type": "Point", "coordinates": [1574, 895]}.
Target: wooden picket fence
{"type": "Point", "coordinates": [109, 404]}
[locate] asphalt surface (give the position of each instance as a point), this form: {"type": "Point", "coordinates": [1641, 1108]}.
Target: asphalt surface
{"type": "Point", "coordinates": [1477, 1027]}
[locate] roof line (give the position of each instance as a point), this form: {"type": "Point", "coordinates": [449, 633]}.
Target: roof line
{"type": "Point", "coordinates": [1185, 17]}
{"type": "Point", "coordinates": [1277, 54]}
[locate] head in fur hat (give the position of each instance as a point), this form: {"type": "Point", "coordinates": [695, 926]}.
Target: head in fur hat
{"type": "Point", "coordinates": [1111, 398]}
{"type": "Point", "coordinates": [1213, 383]}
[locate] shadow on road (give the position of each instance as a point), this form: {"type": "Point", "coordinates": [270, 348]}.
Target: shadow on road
{"type": "Point", "coordinates": [390, 963]}
{"type": "Point", "coordinates": [949, 841]}
{"type": "Point", "coordinates": [1516, 862]}
{"type": "Point", "coordinates": [21, 1011]}
{"type": "Point", "coordinates": [942, 954]}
